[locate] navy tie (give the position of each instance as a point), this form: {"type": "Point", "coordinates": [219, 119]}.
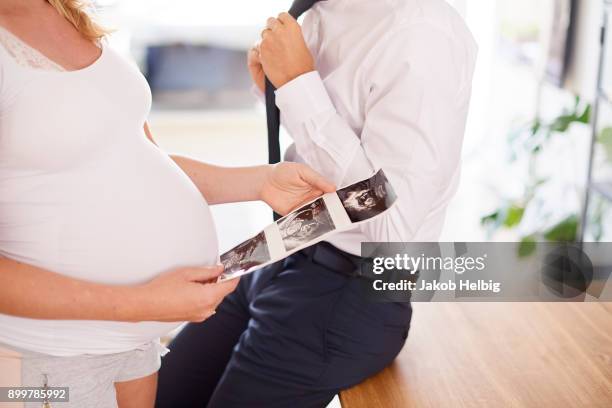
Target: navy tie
{"type": "Point", "coordinates": [298, 8]}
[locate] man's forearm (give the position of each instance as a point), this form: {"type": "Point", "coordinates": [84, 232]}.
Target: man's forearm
{"type": "Point", "coordinates": [224, 184]}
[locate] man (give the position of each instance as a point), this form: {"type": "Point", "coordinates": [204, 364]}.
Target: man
{"type": "Point", "coordinates": [365, 84]}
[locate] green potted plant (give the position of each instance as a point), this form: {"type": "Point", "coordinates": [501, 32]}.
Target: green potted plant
{"type": "Point", "coordinates": [530, 141]}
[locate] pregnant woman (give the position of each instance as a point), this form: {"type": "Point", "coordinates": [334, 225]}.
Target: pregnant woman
{"type": "Point", "coordinates": [104, 239]}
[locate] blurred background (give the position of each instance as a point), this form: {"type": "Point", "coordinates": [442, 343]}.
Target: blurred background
{"type": "Point", "coordinates": [539, 103]}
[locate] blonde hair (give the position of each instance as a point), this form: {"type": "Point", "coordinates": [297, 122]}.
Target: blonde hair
{"type": "Point", "coordinates": [77, 12]}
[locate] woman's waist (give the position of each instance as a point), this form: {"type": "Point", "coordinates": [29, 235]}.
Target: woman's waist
{"type": "Point", "coordinates": [76, 337]}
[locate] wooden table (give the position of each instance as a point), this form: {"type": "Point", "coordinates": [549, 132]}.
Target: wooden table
{"type": "Point", "coordinates": [540, 355]}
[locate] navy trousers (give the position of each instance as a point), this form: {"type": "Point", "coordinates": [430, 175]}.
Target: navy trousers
{"type": "Point", "coordinates": [291, 335]}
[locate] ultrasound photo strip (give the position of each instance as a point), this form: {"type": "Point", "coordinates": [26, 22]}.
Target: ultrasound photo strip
{"type": "Point", "coordinates": [311, 223]}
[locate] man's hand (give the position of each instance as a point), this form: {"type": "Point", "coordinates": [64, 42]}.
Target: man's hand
{"type": "Point", "coordinates": [287, 185]}
{"type": "Point", "coordinates": [283, 53]}
{"type": "Point", "coordinates": [255, 69]}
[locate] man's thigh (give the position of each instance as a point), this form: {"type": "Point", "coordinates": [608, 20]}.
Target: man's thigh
{"type": "Point", "coordinates": [311, 334]}
{"type": "Point", "coordinates": [200, 352]}
{"type": "Point", "coordinates": [198, 355]}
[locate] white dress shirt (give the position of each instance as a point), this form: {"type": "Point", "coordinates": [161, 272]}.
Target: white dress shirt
{"type": "Point", "coordinates": [391, 90]}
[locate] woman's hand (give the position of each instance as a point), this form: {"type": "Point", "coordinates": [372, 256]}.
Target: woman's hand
{"type": "Point", "coordinates": [287, 185]}
{"type": "Point", "coordinates": [184, 294]}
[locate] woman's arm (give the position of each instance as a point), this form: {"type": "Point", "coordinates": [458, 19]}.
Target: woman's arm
{"type": "Point", "coordinates": [225, 184]}
{"type": "Point", "coordinates": [180, 295]}
{"type": "Point", "coordinates": [283, 186]}
{"type": "Point", "coordinates": [220, 184]}
{"type": "Point", "coordinates": [28, 291]}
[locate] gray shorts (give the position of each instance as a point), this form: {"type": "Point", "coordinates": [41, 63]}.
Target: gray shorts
{"type": "Point", "coordinates": [91, 378]}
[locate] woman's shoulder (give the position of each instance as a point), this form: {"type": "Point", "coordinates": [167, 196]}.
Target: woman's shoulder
{"type": "Point", "coordinates": [12, 76]}
{"type": "Point", "coordinates": [7, 57]}
{"type": "Point", "coordinates": [4, 59]}
{"type": "Point", "coordinates": [17, 51]}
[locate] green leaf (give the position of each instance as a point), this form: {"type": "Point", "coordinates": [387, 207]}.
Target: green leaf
{"type": "Point", "coordinates": [586, 116]}
{"type": "Point", "coordinates": [535, 127]}
{"type": "Point", "coordinates": [562, 123]}
{"type": "Point", "coordinates": [514, 215]}
{"type": "Point", "coordinates": [490, 218]}
{"type": "Point", "coordinates": [527, 246]}
{"type": "Point", "coordinates": [508, 216]}
{"type": "Point", "coordinates": [605, 140]}
{"type": "Point", "coordinates": [564, 231]}
{"type": "Point", "coordinates": [540, 181]}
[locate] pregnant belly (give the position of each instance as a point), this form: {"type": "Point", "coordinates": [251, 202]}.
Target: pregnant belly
{"type": "Point", "coordinates": [150, 220]}
{"type": "Point", "coordinates": [113, 222]}
{"type": "Point", "coordinates": [122, 219]}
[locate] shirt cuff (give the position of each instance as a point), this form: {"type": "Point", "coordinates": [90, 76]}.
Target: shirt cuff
{"type": "Point", "coordinates": [302, 99]}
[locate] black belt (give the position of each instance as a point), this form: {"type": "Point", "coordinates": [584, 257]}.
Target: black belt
{"type": "Point", "coordinates": [336, 260]}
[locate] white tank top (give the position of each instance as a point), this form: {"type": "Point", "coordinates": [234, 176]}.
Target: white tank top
{"type": "Point", "coordinates": [85, 194]}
